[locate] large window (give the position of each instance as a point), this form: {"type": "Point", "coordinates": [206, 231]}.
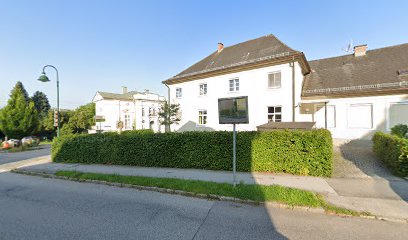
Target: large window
{"type": "Point", "coordinates": [178, 92]}
{"type": "Point", "coordinates": [274, 80]}
{"type": "Point", "coordinates": [234, 85]}
{"type": "Point", "coordinates": [202, 117]}
{"type": "Point", "coordinates": [275, 114]}
{"type": "Point", "coordinates": [203, 89]}
{"type": "Point", "coordinates": [360, 115]}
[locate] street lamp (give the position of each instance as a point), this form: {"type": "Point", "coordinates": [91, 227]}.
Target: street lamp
{"type": "Point", "coordinates": [44, 78]}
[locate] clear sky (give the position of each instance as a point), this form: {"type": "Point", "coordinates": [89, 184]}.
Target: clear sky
{"type": "Point", "coordinates": [100, 45]}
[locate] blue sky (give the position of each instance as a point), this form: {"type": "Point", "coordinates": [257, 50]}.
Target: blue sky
{"type": "Point", "coordinates": [101, 45]}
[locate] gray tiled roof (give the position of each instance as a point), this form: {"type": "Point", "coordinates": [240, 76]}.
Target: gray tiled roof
{"type": "Point", "coordinates": [119, 96]}
{"type": "Point", "coordinates": [379, 70]}
{"type": "Point", "coordinates": [251, 51]}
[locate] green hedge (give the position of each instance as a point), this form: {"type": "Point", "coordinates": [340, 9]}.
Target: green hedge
{"type": "Point", "coordinates": [296, 152]}
{"type": "Point", "coordinates": [393, 151]}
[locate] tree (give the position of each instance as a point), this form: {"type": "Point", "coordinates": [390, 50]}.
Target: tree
{"type": "Point", "coordinates": [169, 114]}
{"type": "Point", "coordinates": [81, 120]}
{"type": "Point", "coordinates": [19, 85]}
{"type": "Point", "coordinates": [41, 103]}
{"type": "Point", "coordinates": [19, 117]}
{"type": "Point", "coordinates": [48, 122]}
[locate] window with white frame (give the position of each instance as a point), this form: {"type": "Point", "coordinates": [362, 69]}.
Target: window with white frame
{"type": "Point", "coordinates": [274, 80]}
{"type": "Point", "coordinates": [202, 117]}
{"type": "Point", "coordinates": [234, 85]}
{"type": "Point", "coordinates": [178, 92]}
{"type": "Point", "coordinates": [143, 112]}
{"type": "Point", "coordinates": [360, 115]}
{"type": "Point", "coordinates": [398, 114]}
{"type": "Point", "coordinates": [127, 121]}
{"type": "Point", "coordinates": [203, 89]}
{"type": "Point", "coordinates": [275, 114]}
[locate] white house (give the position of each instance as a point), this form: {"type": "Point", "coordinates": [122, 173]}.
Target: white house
{"type": "Point", "coordinates": [127, 111]}
{"type": "Point", "coordinates": [352, 96]}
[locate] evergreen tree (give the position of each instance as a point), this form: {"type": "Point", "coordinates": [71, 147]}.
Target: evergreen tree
{"type": "Point", "coordinates": [41, 103]}
{"type": "Point", "coordinates": [19, 117]}
{"type": "Point", "coordinates": [19, 85]}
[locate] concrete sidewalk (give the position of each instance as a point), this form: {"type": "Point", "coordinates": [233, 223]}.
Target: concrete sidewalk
{"type": "Point", "coordinates": [381, 197]}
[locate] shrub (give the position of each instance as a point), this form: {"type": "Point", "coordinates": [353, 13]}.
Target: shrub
{"type": "Point", "coordinates": [295, 151]}
{"type": "Point", "coordinates": [393, 152]}
{"type": "Point", "coordinates": [400, 130]}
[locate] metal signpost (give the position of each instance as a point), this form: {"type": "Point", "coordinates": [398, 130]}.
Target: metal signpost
{"type": "Point", "coordinates": [99, 119]}
{"type": "Point", "coordinates": [233, 111]}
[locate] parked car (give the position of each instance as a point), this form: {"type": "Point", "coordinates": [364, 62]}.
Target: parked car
{"type": "Point", "coordinates": [30, 140]}
{"type": "Point", "coordinates": [14, 142]}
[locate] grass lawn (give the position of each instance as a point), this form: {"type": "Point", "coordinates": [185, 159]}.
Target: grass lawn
{"type": "Point", "coordinates": [259, 193]}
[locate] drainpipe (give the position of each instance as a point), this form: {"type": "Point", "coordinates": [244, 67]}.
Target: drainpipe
{"type": "Point", "coordinates": [325, 115]}
{"type": "Point", "coordinates": [293, 90]}
{"type": "Point", "coordinates": [167, 127]}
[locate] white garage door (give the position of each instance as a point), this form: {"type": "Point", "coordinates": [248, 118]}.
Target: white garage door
{"type": "Point", "coordinates": [398, 114]}
{"type": "Point", "coordinates": [360, 116]}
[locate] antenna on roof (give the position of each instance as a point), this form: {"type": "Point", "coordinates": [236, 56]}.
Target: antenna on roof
{"type": "Point", "coordinates": [349, 47]}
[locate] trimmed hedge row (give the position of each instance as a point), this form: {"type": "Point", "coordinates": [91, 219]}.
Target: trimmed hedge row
{"type": "Point", "coordinates": [296, 152]}
{"type": "Point", "coordinates": [393, 151]}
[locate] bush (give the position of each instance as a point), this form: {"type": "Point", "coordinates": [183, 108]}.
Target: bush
{"type": "Point", "coordinates": [393, 151]}
{"type": "Point", "coordinates": [296, 152]}
{"type": "Point", "coordinates": [400, 130]}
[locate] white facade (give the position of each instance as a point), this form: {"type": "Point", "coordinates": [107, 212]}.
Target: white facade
{"type": "Point", "coordinates": [347, 118]}
{"type": "Point", "coordinates": [360, 117]}
{"type": "Point", "coordinates": [139, 111]}
{"type": "Point", "coordinates": [252, 83]}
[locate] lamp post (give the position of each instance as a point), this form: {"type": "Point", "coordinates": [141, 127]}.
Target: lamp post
{"type": "Point", "coordinates": [44, 78]}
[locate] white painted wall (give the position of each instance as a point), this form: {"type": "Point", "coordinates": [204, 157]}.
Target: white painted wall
{"type": "Point", "coordinates": [253, 83]}
{"type": "Point", "coordinates": [344, 115]}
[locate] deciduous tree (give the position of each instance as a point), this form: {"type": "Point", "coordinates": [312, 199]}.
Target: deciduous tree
{"type": "Point", "coordinates": [169, 114]}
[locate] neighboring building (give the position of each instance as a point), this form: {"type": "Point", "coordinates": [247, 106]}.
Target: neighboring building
{"type": "Point", "coordinates": [128, 111]}
{"type": "Point", "coordinates": [353, 95]}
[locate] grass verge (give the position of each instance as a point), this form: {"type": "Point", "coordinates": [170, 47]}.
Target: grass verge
{"type": "Point", "coordinates": [258, 193]}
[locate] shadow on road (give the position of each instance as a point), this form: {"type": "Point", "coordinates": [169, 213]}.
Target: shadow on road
{"type": "Point", "coordinates": [8, 157]}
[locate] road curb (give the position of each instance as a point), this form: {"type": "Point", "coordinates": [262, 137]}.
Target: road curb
{"type": "Point", "coordinates": [206, 196]}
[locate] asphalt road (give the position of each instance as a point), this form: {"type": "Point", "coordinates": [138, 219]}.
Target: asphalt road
{"type": "Point", "coordinates": [40, 208]}
{"type": "Point", "coordinates": [18, 156]}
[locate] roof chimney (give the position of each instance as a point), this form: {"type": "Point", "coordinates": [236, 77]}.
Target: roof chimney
{"type": "Point", "coordinates": [220, 47]}
{"type": "Point", "coordinates": [360, 50]}
{"type": "Point", "coordinates": [124, 90]}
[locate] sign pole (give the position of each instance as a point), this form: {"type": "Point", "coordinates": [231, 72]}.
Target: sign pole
{"type": "Point", "coordinates": [234, 153]}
